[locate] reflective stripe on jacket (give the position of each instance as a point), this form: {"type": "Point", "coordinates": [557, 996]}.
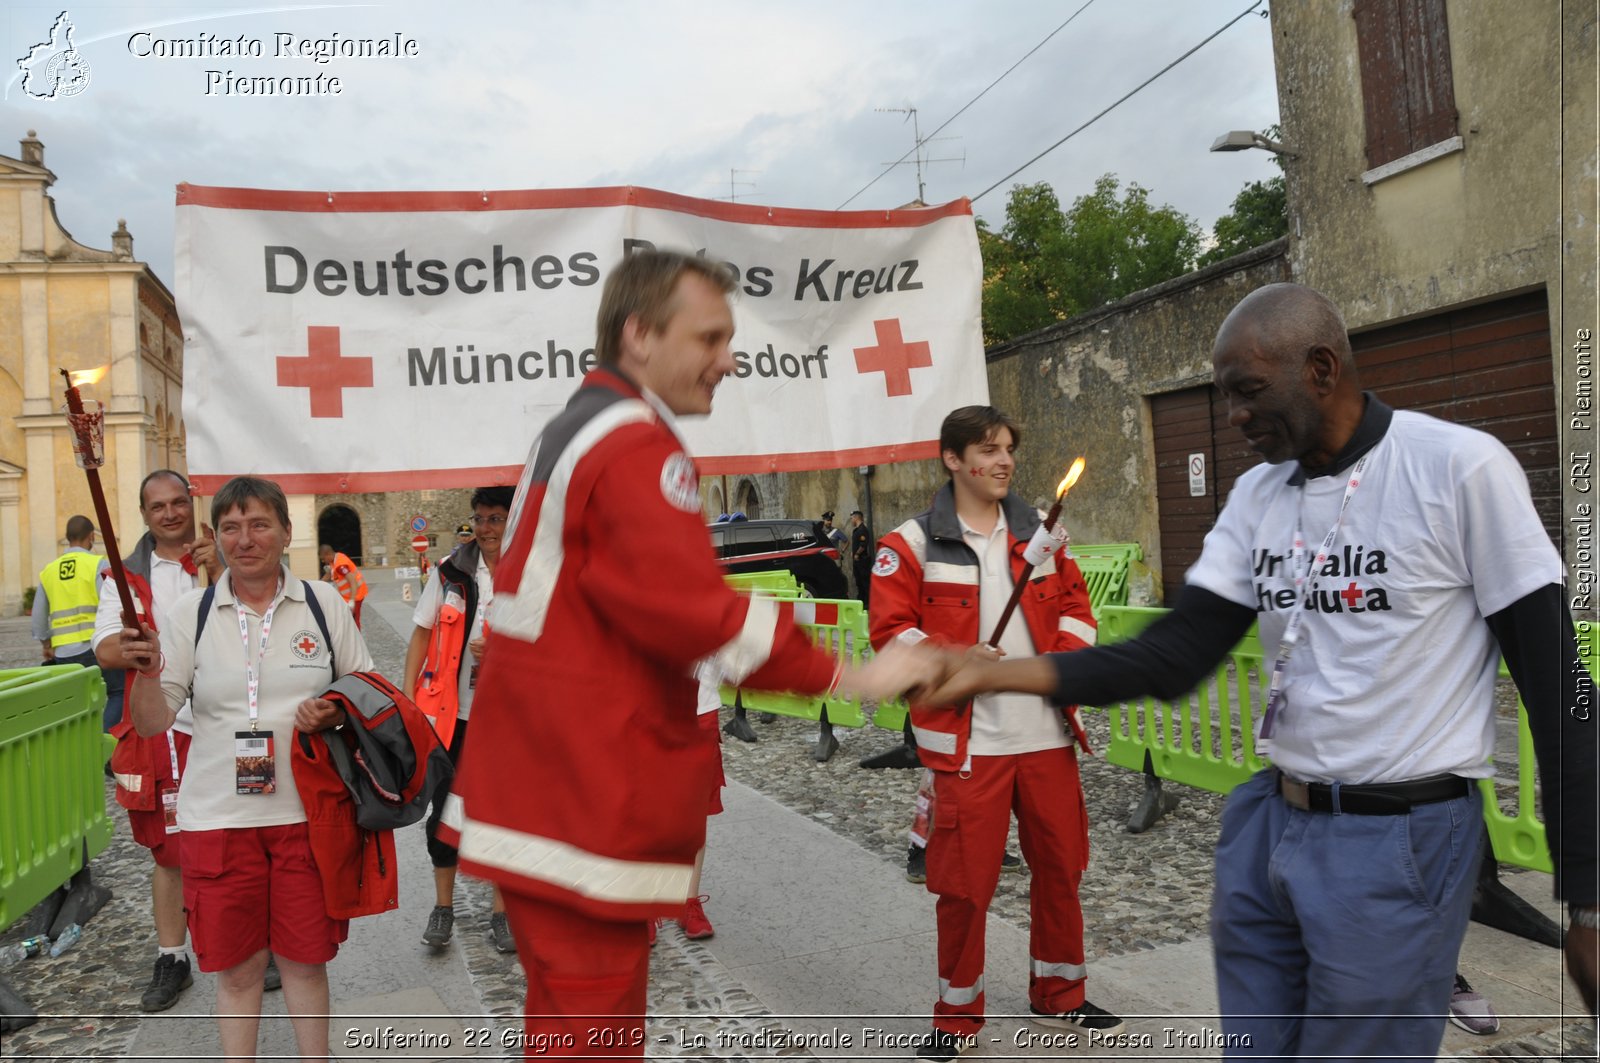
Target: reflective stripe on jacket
{"type": "Point", "coordinates": [73, 596]}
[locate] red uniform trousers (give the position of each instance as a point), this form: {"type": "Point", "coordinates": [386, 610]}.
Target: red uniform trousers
{"type": "Point", "coordinates": [972, 817]}
{"type": "Point", "coordinates": [586, 981]}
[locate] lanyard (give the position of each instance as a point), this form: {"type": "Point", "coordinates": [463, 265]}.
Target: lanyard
{"type": "Point", "coordinates": [252, 673]}
{"type": "Point", "coordinates": [1302, 585]}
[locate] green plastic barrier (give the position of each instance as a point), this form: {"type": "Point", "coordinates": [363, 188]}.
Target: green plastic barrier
{"type": "Point", "coordinates": [52, 791]}
{"type": "Point", "coordinates": [1124, 552]}
{"type": "Point", "coordinates": [778, 583]}
{"type": "Point", "coordinates": [836, 626]}
{"type": "Point", "coordinates": [1106, 579]}
{"type": "Point", "coordinates": [1206, 740]}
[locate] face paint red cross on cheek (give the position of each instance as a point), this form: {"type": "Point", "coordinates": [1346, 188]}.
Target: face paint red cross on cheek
{"type": "Point", "coordinates": [976, 471]}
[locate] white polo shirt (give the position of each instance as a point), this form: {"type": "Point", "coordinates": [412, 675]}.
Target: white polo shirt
{"type": "Point", "coordinates": [294, 667]}
{"type": "Point", "coordinates": [1006, 724]}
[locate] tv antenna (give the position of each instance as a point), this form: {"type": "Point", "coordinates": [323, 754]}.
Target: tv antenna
{"type": "Point", "coordinates": [734, 184]}
{"type": "Point", "coordinates": [920, 156]}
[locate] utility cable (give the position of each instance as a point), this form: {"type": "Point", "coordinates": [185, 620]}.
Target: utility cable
{"type": "Point", "coordinates": [969, 103]}
{"type": "Point", "coordinates": [1119, 102]}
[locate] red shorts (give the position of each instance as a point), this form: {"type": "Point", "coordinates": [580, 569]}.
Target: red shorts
{"type": "Point", "coordinates": [251, 888]}
{"type": "Point", "coordinates": [708, 723]}
{"type": "Point", "coordinates": [149, 826]}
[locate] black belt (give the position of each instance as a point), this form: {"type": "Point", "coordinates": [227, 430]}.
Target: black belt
{"type": "Point", "coordinates": [1373, 799]}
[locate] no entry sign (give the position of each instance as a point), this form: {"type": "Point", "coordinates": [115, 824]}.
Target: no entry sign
{"type": "Point", "coordinates": [420, 544]}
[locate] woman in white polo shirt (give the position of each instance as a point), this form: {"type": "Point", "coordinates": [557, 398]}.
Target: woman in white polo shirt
{"type": "Point", "coordinates": [249, 883]}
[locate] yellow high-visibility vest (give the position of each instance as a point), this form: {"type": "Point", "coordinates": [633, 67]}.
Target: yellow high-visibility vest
{"type": "Point", "coordinates": [73, 596]}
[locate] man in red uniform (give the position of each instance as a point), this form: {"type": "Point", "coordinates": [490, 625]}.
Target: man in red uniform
{"type": "Point", "coordinates": [946, 575]}
{"type": "Point", "coordinates": [584, 798]}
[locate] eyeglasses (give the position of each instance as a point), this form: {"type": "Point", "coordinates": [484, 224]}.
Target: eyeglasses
{"type": "Point", "coordinates": [494, 520]}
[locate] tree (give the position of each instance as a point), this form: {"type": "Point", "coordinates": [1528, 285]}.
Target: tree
{"type": "Point", "coordinates": [1260, 214]}
{"type": "Point", "coordinates": [1047, 264]}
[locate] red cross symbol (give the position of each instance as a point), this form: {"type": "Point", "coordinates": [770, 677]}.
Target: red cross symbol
{"type": "Point", "coordinates": [1351, 595]}
{"type": "Point", "coordinates": [307, 645]}
{"type": "Point", "coordinates": [325, 371]}
{"type": "Point", "coordinates": [893, 357]}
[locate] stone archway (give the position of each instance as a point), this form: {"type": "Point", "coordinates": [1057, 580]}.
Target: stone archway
{"type": "Point", "coordinates": [747, 500]}
{"type": "Point", "coordinates": [340, 527]}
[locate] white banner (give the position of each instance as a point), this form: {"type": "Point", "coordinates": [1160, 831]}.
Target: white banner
{"type": "Point", "coordinates": [393, 341]}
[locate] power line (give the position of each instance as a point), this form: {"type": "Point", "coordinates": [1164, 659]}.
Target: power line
{"type": "Point", "coordinates": [969, 103]}
{"type": "Point", "coordinates": [1119, 102]}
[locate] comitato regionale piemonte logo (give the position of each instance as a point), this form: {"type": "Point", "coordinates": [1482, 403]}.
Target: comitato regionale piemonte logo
{"type": "Point", "coordinates": [54, 69]}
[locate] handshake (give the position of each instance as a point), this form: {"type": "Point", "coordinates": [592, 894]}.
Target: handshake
{"type": "Point", "coordinates": [936, 675]}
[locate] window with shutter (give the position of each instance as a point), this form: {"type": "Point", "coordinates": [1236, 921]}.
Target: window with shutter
{"type": "Point", "coordinates": [1407, 96]}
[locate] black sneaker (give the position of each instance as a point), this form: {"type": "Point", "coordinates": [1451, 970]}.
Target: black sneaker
{"type": "Point", "coordinates": [1011, 862]}
{"type": "Point", "coordinates": [441, 921]}
{"type": "Point", "coordinates": [271, 979]}
{"type": "Point", "coordinates": [1087, 1017]}
{"type": "Point", "coordinates": [917, 864]}
{"type": "Point", "coordinates": [172, 976]}
{"type": "Point", "coordinates": [500, 933]}
{"type": "Point", "coordinates": [942, 1045]}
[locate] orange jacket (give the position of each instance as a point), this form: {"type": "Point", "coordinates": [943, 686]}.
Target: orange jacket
{"type": "Point", "coordinates": [344, 575]}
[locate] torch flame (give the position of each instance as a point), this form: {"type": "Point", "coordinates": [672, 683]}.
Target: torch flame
{"type": "Point", "coordinates": [81, 377]}
{"type": "Point", "coordinates": [1072, 478]}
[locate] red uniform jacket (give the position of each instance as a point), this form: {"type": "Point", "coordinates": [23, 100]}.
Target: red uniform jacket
{"type": "Point", "coordinates": [587, 774]}
{"type": "Point", "coordinates": [926, 577]}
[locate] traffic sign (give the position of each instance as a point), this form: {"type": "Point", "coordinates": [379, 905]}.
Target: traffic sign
{"type": "Point", "coordinates": [419, 523]}
{"type": "Point", "coordinates": [420, 544]}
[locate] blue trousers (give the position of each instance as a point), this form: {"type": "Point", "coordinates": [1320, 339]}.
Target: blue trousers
{"type": "Point", "coordinates": [1336, 936]}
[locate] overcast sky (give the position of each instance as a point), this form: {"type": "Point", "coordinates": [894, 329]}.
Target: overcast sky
{"type": "Point", "coordinates": [665, 95]}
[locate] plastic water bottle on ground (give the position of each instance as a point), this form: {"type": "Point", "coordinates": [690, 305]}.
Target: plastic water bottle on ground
{"type": "Point", "coordinates": [66, 939]}
{"type": "Point", "coordinates": [23, 949]}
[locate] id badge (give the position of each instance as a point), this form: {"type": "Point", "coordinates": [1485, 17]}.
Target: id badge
{"type": "Point", "coordinates": [254, 769]}
{"type": "Point", "coordinates": [169, 810]}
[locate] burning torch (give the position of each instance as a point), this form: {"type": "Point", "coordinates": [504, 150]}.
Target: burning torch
{"type": "Point", "coordinates": [88, 448]}
{"type": "Point", "coordinates": [1045, 542]}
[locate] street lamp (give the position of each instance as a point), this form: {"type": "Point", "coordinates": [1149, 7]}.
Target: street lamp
{"type": "Point", "coordinates": [1244, 139]}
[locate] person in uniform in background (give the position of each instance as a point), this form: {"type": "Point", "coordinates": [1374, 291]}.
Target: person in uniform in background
{"type": "Point", "coordinates": [441, 676]}
{"type": "Point", "coordinates": [340, 571]}
{"type": "Point", "coordinates": [68, 595]}
{"type": "Point", "coordinates": [861, 556]}
{"type": "Point", "coordinates": [945, 576]}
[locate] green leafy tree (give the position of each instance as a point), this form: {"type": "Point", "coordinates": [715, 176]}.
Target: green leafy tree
{"type": "Point", "coordinates": [1047, 264]}
{"type": "Point", "coordinates": [1260, 214]}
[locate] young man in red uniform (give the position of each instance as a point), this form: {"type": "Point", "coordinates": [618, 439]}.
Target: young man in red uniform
{"type": "Point", "coordinates": [584, 798]}
{"type": "Point", "coordinates": [945, 576]}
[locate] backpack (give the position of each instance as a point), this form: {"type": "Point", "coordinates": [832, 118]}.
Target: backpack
{"type": "Point", "coordinates": [390, 759]}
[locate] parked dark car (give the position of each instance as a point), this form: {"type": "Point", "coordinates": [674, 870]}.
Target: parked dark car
{"type": "Point", "coordinates": [797, 545]}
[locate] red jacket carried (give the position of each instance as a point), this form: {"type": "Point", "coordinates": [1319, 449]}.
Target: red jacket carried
{"type": "Point", "coordinates": [926, 577]}
{"type": "Point", "coordinates": [587, 774]}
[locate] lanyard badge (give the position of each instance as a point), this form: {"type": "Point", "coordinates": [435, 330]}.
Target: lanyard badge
{"type": "Point", "coordinates": [254, 761]}
{"type": "Point", "coordinates": [1277, 699]}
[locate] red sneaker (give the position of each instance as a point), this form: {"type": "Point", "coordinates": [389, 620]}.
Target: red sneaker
{"type": "Point", "coordinates": [696, 927]}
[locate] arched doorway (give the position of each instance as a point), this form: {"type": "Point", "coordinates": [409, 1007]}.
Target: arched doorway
{"type": "Point", "coordinates": [340, 527]}
{"type": "Point", "coordinates": [714, 503]}
{"type": "Point", "coordinates": [749, 503]}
